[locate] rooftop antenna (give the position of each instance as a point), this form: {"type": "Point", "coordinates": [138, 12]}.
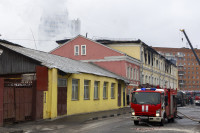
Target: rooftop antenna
{"type": "Point", "coordinates": [33, 39]}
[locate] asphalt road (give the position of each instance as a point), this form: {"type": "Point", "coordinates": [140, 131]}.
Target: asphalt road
{"type": "Point", "coordinates": [123, 124]}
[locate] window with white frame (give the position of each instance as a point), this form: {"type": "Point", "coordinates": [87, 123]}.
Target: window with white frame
{"type": "Point", "coordinates": [113, 90]}
{"type": "Point", "coordinates": [83, 49]}
{"type": "Point", "coordinates": [105, 90]}
{"type": "Point", "coordinates": [137, 74]}
{"type": "Point", "coordinates": [96, 89]}
{"type": "Point", "coordinates": [128, 72]}
{"type": "Point", "coordinates": [76, 50]}
{"type": "Point", "coordinates": [75, 86]}
{"type": "Point", "coordinates": [86, 89]}
{"type": "Point", "coordinates": [134, 74]}
{"type": "Point", "coordinates": [131, 73]}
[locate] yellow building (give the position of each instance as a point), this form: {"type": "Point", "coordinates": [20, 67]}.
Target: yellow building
{"type": "Point", "coordinates": [85, 93]}
{"type": "Point", "coordinates": [155, 69]}
{"type": "Point", "coordinates": [71, 87]}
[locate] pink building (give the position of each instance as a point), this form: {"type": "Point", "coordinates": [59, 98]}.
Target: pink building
{"type": "Point", "coordinates": [87, 50]}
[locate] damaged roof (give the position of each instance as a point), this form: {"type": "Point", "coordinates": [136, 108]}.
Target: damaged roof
{"type": "Point", "coordinates": [62, 63]}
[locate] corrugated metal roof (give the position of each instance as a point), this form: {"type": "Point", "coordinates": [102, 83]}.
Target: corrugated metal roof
{"type": "Point", "coordinates": [64, 64]}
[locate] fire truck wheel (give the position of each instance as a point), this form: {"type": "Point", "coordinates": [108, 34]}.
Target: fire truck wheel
{"type": "Point", "coordinates": [162, 122]}
{"type": "Point", "coordinates": [136, 122]}
{"type": "Point", "coordinates": [172, 119]}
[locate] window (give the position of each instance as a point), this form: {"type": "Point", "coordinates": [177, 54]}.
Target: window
{"type": "Point", "coordinates": [131, 73]}
{"type": "Point", "coordinates": [189, 72]}
{"type": "Point", "coordinates": [188, 63]}
{"type": "Point", "coordinates": [152, 80]}
{"type": "Point", "coordinates": [197, 72]}
{"type": "Point", "coordinates": [86, 89]}
{"type": "Point", "coordinates": [96, 89]}
{"type": "Point", "coordinates": [128, 72]}
{"type": "Point", "coordinates": [105, 86]}
{"type": "Point", "coordinates": [112, 90]}
{"type": "Point", "coordinates": [75, 86]}
{"type": "Point", "coordinates": [197, 77]}
{"type": "Point", "coordinates": [83, 49]}
{"type": "Point", "coordinates": [196, 68]}
{"type": "Point", "coordinates": [76, 50]}
{"type": "Point", "coordinates": [137, 75]}
{"type": "Point", "coordinates": [149, 80]}
{"type": "Point", "coordinates": [62, 82]}
{"type": "Point", "coordinates": [134, 74]}
{"type": "Point", "coordinates": [188, 68]}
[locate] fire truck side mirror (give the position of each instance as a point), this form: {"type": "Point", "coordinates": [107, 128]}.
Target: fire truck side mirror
{"type": "Point", "coordinates": [166, 100]}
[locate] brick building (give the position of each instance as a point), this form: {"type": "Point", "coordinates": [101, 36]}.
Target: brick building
{"type": "Point", "coordinates": [188, 68]}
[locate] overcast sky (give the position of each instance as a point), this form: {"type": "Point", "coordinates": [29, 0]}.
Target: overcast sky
{"type": "Point", "coordinates": [155, 22]}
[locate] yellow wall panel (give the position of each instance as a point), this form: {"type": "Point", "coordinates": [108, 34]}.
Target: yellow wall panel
{"type": "Point", "coordinates": [133, 51]}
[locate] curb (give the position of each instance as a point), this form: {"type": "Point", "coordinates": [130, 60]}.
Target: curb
{"type": "Point", "coordinates": [107, 116]}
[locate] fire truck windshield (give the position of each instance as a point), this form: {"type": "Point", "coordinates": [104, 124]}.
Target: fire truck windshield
{"type": "Point", "coordinates": [146, 98]}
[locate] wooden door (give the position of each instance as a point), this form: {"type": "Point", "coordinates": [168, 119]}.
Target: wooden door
{"type": "Point", "coordinates": [62, 101]}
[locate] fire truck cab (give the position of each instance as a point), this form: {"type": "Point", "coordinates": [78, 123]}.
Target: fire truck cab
{"type": "Point", "coordinates": [153, 105]}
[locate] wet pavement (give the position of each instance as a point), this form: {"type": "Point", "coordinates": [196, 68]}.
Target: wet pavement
{"type": "Point", "coordinates": [67, 122]}
{"type": "Point", "coordinates": [114, 121]}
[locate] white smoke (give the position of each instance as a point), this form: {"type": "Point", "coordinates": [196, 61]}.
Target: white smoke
{"type": "Point", "coordinates": [55, 25]}
{"type": "Point", "coordinates": [22, 19]}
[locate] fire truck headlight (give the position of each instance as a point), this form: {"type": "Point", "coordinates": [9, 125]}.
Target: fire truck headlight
{"type": "Point", "coordinates": [157, 113]}
{"type": "Point", "coordinates": [133, 111]}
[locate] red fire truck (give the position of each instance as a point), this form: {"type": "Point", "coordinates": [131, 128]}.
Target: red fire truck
{"type": "Point", "coordinates": [153, 105]}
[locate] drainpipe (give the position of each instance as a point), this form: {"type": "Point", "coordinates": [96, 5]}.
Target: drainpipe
{"type": "Point", "coordinates": [141, 63]}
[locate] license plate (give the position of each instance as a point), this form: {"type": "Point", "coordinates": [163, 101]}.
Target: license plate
{"type": "Point", "coordinates": [143, 117]}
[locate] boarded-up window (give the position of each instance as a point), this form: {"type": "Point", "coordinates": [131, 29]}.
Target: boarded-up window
{"type": "Point", "coordinates": [42, 78]}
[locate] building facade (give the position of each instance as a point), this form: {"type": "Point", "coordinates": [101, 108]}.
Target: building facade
{"type": "Point", "coordinates": [188, 67]}
{"type": "Point", "coordinates": [87, 50]}
{"type": "Point", "coordinates": [155, 69]}
{"type": "Point", "coordinates": [37, 85]}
